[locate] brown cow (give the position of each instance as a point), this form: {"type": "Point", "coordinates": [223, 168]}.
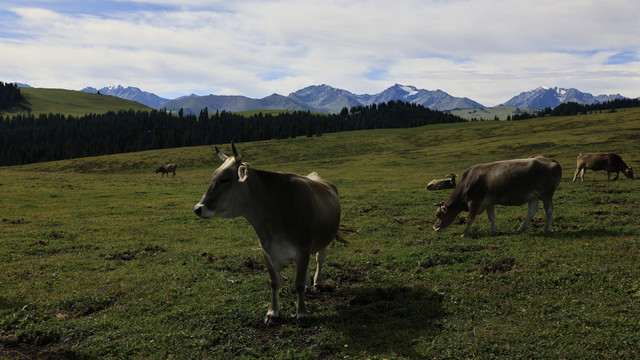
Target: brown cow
{"type": "Point", "coordinates": [166, 169]}
{"type": "Point", "coordinates": [610, 162]}
{"type": "Point", "coordinates": [510, 183]}
{"type": "Point", "coordinates": [449, 182]}
{"type": "Point", "coordinates": [294, 216]}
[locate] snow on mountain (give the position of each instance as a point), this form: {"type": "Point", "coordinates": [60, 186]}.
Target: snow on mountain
{"type": "Point", "coordinates": [333, 100]}
{"type": "Point", "coordinates": [327, 99]}
{"type": "Point", "coordinates": [324, 98]}
{"type": "Point", "coordinates": [544, 97]}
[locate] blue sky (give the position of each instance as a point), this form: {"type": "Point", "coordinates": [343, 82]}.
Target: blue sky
{"type": "Point", "coordinates": [487, 50]}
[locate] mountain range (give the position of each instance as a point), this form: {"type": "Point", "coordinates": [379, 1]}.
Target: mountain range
{"type": "Point", "coordinates": [129, 93]}
{"type": "Point", "coordinates": [327, 99]}
{"type": "Point", "coordinates": [551, 97]}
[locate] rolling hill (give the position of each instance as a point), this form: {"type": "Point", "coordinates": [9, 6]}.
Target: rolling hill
{"type": "Point", "coordinates": [70, 102]}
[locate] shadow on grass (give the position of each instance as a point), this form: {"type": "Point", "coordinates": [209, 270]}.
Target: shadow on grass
{"type": "Point", "coordinates": [591, 233]}
{"type": "Point", "coordinates": [389, 320]}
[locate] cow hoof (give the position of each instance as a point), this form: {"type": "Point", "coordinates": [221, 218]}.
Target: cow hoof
{"type": "Point", "coordinates": [270, 320]}
{"type": "Point", "coordinates": [303, 321]}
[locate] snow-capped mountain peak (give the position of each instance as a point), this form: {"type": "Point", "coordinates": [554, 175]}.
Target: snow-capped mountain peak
{"type": "Point", "coordinates": [543, 97]}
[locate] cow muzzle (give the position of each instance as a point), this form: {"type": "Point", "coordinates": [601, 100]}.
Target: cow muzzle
{"type": "Point", "coordinates": [203, 211]}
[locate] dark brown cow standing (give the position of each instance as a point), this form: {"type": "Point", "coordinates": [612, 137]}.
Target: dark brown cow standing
{"type": "Point", "coordinates": [166, 169]}
{"type": "Point", "coordinates": [294, 217]}
{"type": "Point", "coordinates": [510, 183]}
{"type": "Point", "coordinates": [610, 162]}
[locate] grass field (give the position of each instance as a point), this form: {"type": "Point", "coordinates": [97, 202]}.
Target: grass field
{"type": "Point", "coordinates": [101, 258]}
{"type": "Point", "coordinates": [70, 102]}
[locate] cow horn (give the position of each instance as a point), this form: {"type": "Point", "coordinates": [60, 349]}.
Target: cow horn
{"type": "Point", "coordinates": [221, 155]}
{"type": "Point", "coordinates": [237, 156]}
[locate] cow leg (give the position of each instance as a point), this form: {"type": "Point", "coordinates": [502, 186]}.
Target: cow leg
{"type": "Point", "coordinates": [275, 281]}
{"type": "Point", "coordinates": [174, 174]}
{"type": "Point", "coordinates": [548, 208]}
{"type": "Point", "coordinates": [584, 171]}
{"type": "Point", "coordinates": [473, 210]}
{"type": "Point", "coordinates": [533, 209]}
{"type": "Point", "coordinates": [578, 171]}
{"type": "Point", "coordinates": [317, 279]}
{"type": "Point", "coordinates": [617, 174]}
{"type": "Point", "coordinates": [491, 214]}
{"type": "Point", "coordinates": [302, 274]}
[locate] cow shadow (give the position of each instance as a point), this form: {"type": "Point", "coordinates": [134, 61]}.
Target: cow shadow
{"type": "Point", "coordinates": [383, 320]}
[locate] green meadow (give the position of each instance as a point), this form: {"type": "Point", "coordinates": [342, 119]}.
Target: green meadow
{"type": "Point", "coordinates": [101, 258]}
{"type": "Point", "coordinates": [69, 102]}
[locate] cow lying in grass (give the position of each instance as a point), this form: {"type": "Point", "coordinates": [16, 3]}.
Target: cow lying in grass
{"type": "Point", "coordinates": [449, 182]}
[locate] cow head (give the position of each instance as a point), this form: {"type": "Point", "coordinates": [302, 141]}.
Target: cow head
{"type": "Point", "coordinates": [158, 169]}
{"type": "Point", "coordinates": [444, 216]}
{"type": "Point", "coordinates": [226, 194]}
{"type": "Point", "coordinates": [628, 172]}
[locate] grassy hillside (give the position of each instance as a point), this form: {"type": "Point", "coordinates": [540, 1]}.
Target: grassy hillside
{"type": "Point", "coordinates": [70, 102]}
{"type": "Point", "coordinates": [103, 258]}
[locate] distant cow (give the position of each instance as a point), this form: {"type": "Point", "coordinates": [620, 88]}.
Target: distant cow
{"type": "Point", "coordinates": [510, 183]}
{"type": "Point", "coordinates": [166, 169]}
{"type": "Point", "coordinates": [610, 162]}
{"type": "Point", "coordinates": [294, 217]}
{"type": "Point", "coordinates": [449, 182]}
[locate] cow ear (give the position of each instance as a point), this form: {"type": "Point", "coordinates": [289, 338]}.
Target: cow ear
{"type": "Point", "coordinates": [243, 172]}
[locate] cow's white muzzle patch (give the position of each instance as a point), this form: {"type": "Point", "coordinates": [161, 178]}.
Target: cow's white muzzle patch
{"type": "Point", "coordinates": [203, 211]}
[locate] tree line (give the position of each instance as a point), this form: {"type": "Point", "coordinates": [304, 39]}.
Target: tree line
{"type": "Point", "coordinates": [10, 95]}
{"type": "Point", "coordinates": [28, 138]}
{"type": "Point", "coordinates": [572, 108]}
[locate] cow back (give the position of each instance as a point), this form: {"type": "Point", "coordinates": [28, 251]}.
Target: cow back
{"type": "Point", "coordinates": [509, 182]}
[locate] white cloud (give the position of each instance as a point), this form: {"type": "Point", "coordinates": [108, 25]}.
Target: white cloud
{"type": "Point", "coordinates": [485, 50]}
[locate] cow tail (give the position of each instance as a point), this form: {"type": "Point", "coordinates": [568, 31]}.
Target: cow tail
{"type": "Point", "coordinates": [343, 229]}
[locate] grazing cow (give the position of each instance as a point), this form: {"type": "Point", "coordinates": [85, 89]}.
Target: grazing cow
{"type": "Point", "coordinates": [602, 161]}
{"type": "Point", "coordinates": [294, 217]}
{"type": "Point", "coordinates": [510, 183]}
{"type": "Point", "coordinates": [449, 182]}
{"type": "Point", "coordinates": [166, 169]}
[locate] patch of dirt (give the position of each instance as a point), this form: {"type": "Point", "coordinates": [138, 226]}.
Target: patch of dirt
{"type": "Point", "coordinates": [37, 346]}
{"type": "Point", "coordinates": [133, 254]}
{"type": "Point", "coordinates": [122, 255]}
{"type": "Point", "coordinates": [348, 273]}
{"type": "Point", "coordinates": [14, 222]}
{"type": "Point", "coordinates": [606, 200]}
{"type": "Point", "coordinates": [56, 235]}
{"type": "Point", "coordinates": [41, 242]}
{"type": "Point", "coordinates": [253, 266]}
{"type": "Point", "coordinates": [154, 249]}
{"type": "Point", "coordinates": [210, 259]}
{"type": "Point", "coordinates": [500, 266]}
{"type": "Point", "coordinates": [83, 310]}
